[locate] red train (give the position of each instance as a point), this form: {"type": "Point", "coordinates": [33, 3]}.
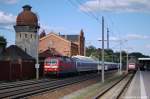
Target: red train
{"type": "Point", "coordinates": [75, 64]}
{"type": "Point", "coordinates": [132, 67]}
{"type": "Point", "coordinates": [59, 65]}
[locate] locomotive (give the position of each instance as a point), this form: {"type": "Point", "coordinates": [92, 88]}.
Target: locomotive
{"type": "Point", "coordinates": [75, 64]}
{"type": "Point", "coordinates": [59, 65]}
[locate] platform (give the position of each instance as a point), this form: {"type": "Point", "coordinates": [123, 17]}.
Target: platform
{"type": "Point", "coordinates": [140, 86]}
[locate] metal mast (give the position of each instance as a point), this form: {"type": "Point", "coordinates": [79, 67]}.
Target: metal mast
{"type": "Point", "coordinates": [107, 38]}
{"type": "Point", "coordinates": [102, 49]}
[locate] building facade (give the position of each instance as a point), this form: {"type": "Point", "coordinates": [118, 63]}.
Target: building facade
{"type": "Point", "coordinates": [65, 45]}
{"type": "Point", "coordinates": [26, 31]}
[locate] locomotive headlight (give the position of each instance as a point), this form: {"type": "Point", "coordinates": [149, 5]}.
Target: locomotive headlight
{"type": "Point", "coordinates": [54, 67]}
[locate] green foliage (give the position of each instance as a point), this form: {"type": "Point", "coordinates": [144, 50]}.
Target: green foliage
{"type": "Point", "coordinates": [136, 54]}
{"type": "Point", "coordinates": [90, 50]}
{"type": "Point", "coordinates": [110, 55]}
{"type": "Point", "coordinates": [3, 42]}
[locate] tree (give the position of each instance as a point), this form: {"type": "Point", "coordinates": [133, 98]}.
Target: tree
{"type": "Point", "coordinates": [3, 42]}
{"type": "Point", "coordinates": [90, 50]}
{"type": "Point", "coordinates": [137, 55]}
{"type": "Point", "coordinates": [110, 55]}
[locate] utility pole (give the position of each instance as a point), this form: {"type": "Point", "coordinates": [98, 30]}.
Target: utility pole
{"type": "Point", "coordinates": [37, 57]}
{"type": "Point", "coordinates": [120, 59]}
{"type": "Point", "coordinates": [107, 38]}
{"type": "Point", "coordinates": [102, 49]}
{"type": "Point", "coordinates": [84, 48]}
{"type": "Point", "coordinates": [127, 62]}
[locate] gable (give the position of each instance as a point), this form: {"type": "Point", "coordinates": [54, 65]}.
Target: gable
{"type": "Point", "coordinates": [73, 38]}
{"type": "Point", "coordinates": [54, 36]}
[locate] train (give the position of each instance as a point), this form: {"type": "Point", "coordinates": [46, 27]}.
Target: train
{"type": "Point", "coordinates": [132, 66]}
{"type": "Point", "coordinates": [75, 64]}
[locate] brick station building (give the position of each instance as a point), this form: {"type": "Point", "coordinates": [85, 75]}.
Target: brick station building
{"type": "Point", "coordinates": [64, 45]}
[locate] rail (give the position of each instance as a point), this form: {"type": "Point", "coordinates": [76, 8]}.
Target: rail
{"type": "Point", "coordinates": [105, 93]}
{"type": "Point", "coordinates": [36, 88]}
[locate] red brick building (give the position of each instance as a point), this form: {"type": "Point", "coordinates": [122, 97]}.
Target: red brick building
{"type": "Point", "coordinates": [65, 45]}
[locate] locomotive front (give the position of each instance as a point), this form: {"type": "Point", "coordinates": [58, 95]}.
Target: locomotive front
{"type": "Point", "coordinates": [51, 66]}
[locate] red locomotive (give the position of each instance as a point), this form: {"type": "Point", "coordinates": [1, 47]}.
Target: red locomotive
{"type": "Point", "coordinates": [132, 67]}
{"type": "Point", "coordinates": [59, 65]}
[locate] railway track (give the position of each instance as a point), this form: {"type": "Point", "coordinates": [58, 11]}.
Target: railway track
{"type": "Point", "coordinates": [115, 90]}
{"type": "Point", "coordinates": [29, 88]}
{"type": "Point", "coordinates": [22, 83]}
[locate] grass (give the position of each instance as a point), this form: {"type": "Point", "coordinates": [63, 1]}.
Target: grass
{"type": "Point", "coordinates": [93, 90]}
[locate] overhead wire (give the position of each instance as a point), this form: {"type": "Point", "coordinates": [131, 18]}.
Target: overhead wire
{"type": "Point", "coordinates": [88, 10]}
{"type": "Point", "coordinates": [76, 4]}
{"type": "Point", "coordinates": [93, 15]}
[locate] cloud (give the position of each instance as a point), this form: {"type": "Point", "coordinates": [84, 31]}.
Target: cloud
{"type": "Point", "coordinates": [130, 37]}
{"type": "Point", "coordinates": [48, 28]}
{"type": "Point", "coordinates": [7, 20]}
{"type": "Point", "coordinates": [9, 1]}
{"type": "Point", "coordinates": [116, 5]}
{"type": "Point", "coordinates": [147, 46]}
{"type": "Point", "coordinates": [57, 29]}
{"type": "Point", "coordinates": [114, 39]}
{"type": "Point", "coordinates": [137, 37]}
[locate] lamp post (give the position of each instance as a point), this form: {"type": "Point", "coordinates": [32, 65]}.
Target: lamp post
{"type": "Point", "coordinates": [102, 66]}
{"type": "Point", "coordinates": [120, 70]}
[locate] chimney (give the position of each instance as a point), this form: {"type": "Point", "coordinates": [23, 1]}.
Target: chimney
{"type": "Point", "coordinates": [27, 8]}
{"type": "Point", "coordinates": [59, 33]}
{"type": "Point", "coordinates": [66, 37]}
{"type": "Point", "coordinates": [42, 34]}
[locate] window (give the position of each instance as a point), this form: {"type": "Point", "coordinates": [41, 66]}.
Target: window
{"type": "Point", "coordinates": [53, 61]}
{"type": "Point", "coordinates": [25, 35]}
{"type": "Point", "coordinates": [31, 35]}
{"type": "Point", "coordinates": [68, 59]}
{"type": "Point", "coordinates": [20, 35]}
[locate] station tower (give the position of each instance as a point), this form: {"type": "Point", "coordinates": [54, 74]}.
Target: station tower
{"type": "Point", "coordinates": [27, 30]}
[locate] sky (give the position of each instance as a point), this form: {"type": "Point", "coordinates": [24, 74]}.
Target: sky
{"type": "Point", "coordinates": [128, 20]}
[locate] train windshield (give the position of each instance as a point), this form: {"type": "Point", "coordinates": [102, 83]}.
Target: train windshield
{"type": "Point", "coordinates": [51, 61]}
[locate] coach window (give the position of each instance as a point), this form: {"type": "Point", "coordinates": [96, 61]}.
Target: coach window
{"type": "Point", "coordinates": [68, 60]}
{"type": "Point", "coordinates": [25, 35]}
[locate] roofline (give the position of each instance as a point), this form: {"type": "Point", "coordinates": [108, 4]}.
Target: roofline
{"type": "Point", "coordinates": [55, 36]}
{"type": "Point", "coordinates": [143, 58]}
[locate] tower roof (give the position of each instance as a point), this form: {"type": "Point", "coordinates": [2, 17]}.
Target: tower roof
{"type": "Point", "coordinates": [27, 17]}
